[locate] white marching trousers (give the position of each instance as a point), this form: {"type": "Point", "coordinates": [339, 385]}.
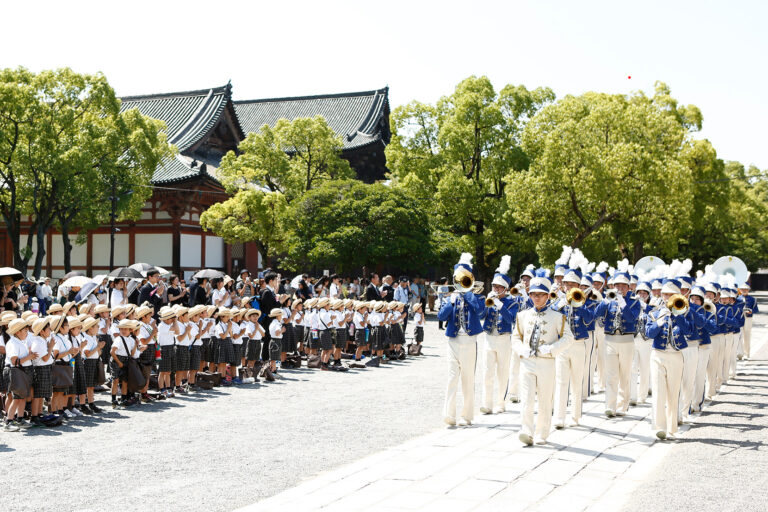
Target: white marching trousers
{"type": "Point", "coordinates": [747, 335]}
{"type": "Point", "coordinates": [734, 351]}
{"type": "Point", "coordinates": [619, 349]}
{"type": "Point", "coordinates": [688, 380]}
{"type": "Point", "coordinates": [514, 377]}
{"type": "Point", "coordinates": [715, 366]}
{"type": "Point", "coordinates": [599, 373]}
{"type": "Point", "coordinates": [726, 359]}
{"type": "Point", "coordinates": [462, 358]}
{"type": "Point", "coordinates": [498, 351]}
{"type": "Point", "coordinates": [641, 370]}
{"type": "Point", "coordinates": [588, 372]}
{"type": "Point", "coordinates": [537, 380]}
{"type": "Point", "coordinates": [569, 372]}
{"type": "Point", "coordinates": [666, 374]}
{"type": "Point", "coordinates": [702, 368]}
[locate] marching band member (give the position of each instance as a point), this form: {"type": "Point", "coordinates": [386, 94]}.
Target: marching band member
{"type": "Point", "coordinates": [668, 331]}
{"type": "Point", "coordinates": [691, 351]}
{"type": "Point", "coordinates": [640, 380]}
{"type": "Point", "coordinates": [717, 338]}
{"type": "Point", "coordinates": [731, 325]}
{"type": "Point", "coordinates": [619, 314]}
{"type": "Point", "coordinates": [498, 347]}
{"type": "Point", "coordinates": [523, 302]}
{"type": "Point", "coordinates": [705, 323]}
{"type": "Point", "coordinates": [750, 308]}
{"type": "Point", "coordinates": [569, 363]}
{"type": "Point", "coordinates": [590, 348]}
{"type": "Point", "coordinates": [540, 335]}
{"type": "Point", "coordinates": [462, 314]}
{"type": "Point", "coordinates": [597, 372]}
{"type": "Point", "coordinates": [561, 267]}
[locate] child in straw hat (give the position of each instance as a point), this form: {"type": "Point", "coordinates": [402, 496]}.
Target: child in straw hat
{"type": "Point", "coordinates": [123, 348]}
{"type": "Point", "coordinates": [92, 351]}
{"type": "Point", "coordinates": [276, 331]}
{"type": "Point", "coordinates": [166, 332]}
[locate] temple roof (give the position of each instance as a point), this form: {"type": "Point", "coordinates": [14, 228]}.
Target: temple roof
{"type": "Point", "coordinates": [360, 118]}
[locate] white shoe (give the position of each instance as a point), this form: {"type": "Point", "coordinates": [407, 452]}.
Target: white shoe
{"type": "Point", "coordinates": [463, 422]}
{"type": "Point", "coordinates": [77, 411]}
{"type": "Point", "coordinates": [573, 423]}
{"type": "Point", "coordinates": [498, 410]}
{"type": "Point", "coordinates": [540, 440]}
{"type": "Point", "coordinates": [69, 414]}
{"type": "Point", "coordinates": [661, 434]}
{"type": "Point", "coordinates": [525, 439]}
{"type": "Point", "coordinates": [485, 410]}
{"type": "Point", "coordinates": [449, 421]}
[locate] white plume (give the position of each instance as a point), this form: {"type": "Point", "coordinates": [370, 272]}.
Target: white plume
{"type": "Point", "coordinates": [563, 259]}
{"type": "Point", "coordinates": [531, 267]}
{"type": "Point", "coordinates": [602, 267]}
{"type": "Point", "coordinates": [466, 258]}
{"type": "Point", "coordinates": [611, 271]}
{"type": "Point", "coordinates": [577, 259]}
{"type": "Point", "coordinates": [622, 265]}
{"type": "Point", "coordinates": [659, 272]}
{"type": "Point", "coordinates": [673, 270]}
{"type": "Point", "coordinates": [709, 274]}
{"type": "Point", "coordinates": [504, 264]}
{"type": "Point", "coordinates": [631, 269]}
{"type": "Point", "coordinates": [587, 267]}
{"type": "Point", "coordinates": [685, 267]}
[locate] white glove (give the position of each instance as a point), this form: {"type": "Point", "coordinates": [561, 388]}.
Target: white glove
{"type": "Point", "coordinates": [453, 298]}
{"type": "Point", "coordinates": [662, 318]}
{"type": "Point", "coordinates": [545, 349]}
{"type": "Point", "coordinates": [497, 303]}
{"type": "Point", "coordinates": [620, 301]}
{"type": "Point", "coordinates": [526, 352]}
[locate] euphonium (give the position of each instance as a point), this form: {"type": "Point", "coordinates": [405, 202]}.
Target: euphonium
{"type": "Point", "coordinates": [575, 297]}
{"type": "Point", "coordinates": [677, 304]}
{"type": "Point", "coordinates": [708, 306]}
{"type": "Point", "coordinates": [463, 280]}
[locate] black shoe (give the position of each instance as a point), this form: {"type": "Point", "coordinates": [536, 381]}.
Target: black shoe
{"type": "Point", "coordinates": [85, 409]}
{"type": "Point", "coordinates": [36, 421]}
{"type": "Point", "coordinates": [94, 409]}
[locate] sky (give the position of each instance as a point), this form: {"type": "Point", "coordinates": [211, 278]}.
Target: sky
{"type": "Point", "coordinates": [711, 53]}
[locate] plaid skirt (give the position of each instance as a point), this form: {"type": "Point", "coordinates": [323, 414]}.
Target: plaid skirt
{"type": "Point", "coordinates": [254, 350]}
{"type": "Point", "coordinates": [42, 381]}
{"type": "Point", "coordinates": [342, 336]}
{"type": "Point", "coordinates": [311, 341]}
{"type": "Point", "coordinates": [214, 350]}
{"type": "Point", "coordinates": [181, 358]}
{"type": "Point", "coordinates": [419, 334]}
{"type": "Point", "coordinates": [29, 370]}
{"type": "Point", "coordinates": [194, 357]}
{"type": "Point", "coordinates": [376, 338]}
{"type": "Point", "coordinates": [115, 369]}
{"type": "Point", "coordinates": [299, 334]}
{"type": "Point", "coordinates": [79, 377]}
{"type": "Point", "coordinates": [360, 337]}
{"type": "Point", "coordinates": [167, 358]}
{"type": "Point", "coordinates": [148, 356]}
{"type": "Point", "coordinates": [3, 384]}
{"type": "Point", "coordinates": [106, 358]}
{"type": "Point", "coordinates": [274, 349]}
{"type": "Point", "coordinates": [91, 368]}
{"type": "Point", "coordinates": [326, 340]}
{"type": "Point", "coordinates": [396, 334]}
{"type": "Point", "coordinates": [226, 353]}
{"type": "Point", "coordinates": [386, 336]}
{"type": "Point", "coordinates": [206, 353]}
{"type": "Point", "coordinates": [239, 351]}
{"type": "Point", "coordinates": [289, 339]}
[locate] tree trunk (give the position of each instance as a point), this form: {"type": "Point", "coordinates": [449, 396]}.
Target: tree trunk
{"type": "Point", "coordinates": [67, 245]}
{"type": "Point", "coordinates": [638, 250]}
{"type": "Point", "coordinates": [40, 252]}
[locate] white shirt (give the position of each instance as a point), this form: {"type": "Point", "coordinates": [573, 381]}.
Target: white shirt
{"type": "Point", "coordinates": [418, 318]}
{"type": "Point", "coordinates": [44, 291]}
{"type": "Point", "coordinates": [254, 332]}
{"type": "Point", "coordinates": [193, 335]}
{"type": "Point", "coordinates": [62, 345]}
{"type": "Point", "coordinates": [205, 322]}
{"type": "Point", "coordinates": [117, 298]}
{"type": "Point", "coordinates": [129, 344]}
{"type": "Point", "coordinates": [183, 339]}
{"type": "Point", "coordinates": [103, 326]}
{"type": "Point", "coordinates": [145, 331]}
{"type": "Point", "coordinates": [334, 291]}
{"type": "Point", "coordinates": [90, 344]}
{"type": "Point", "coordinates": [324, 320]}
{"type": "Point", "coordinates": [38, 345]}
{"type": "Point", "coordinates": [217, 295]}
{"type": "Point", "coordinates": [238, 331]}
{"type": "Point", "coordinates": [164, 335]}
{"type": "Point", "coordinates": [276, 328]}
{"type": "Point", "coordinates": [113, 329]}
{"type": "Point", "coordinates": [16, 348]}
{"type": "Point", "coordinates": [220, 329]}
{"type": "Point", "coordinates": [358, 319]}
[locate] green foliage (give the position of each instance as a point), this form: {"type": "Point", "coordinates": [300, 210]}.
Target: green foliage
{"type": "Point", "coordinates": [63, 140]}
{"type": "Point", "coordinates": [349, 224]}
{"type": "Point", "coordinates": [458, 157]}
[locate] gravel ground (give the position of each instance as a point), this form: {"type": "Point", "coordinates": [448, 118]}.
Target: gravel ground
{"type": "Point", "coordinates": [224, 448]}
{"type": "Point", "coordinates": [722, 462]}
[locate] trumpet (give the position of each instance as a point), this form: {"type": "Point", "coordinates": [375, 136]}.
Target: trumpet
{"type": "Point", "coordinates": [575, 297]}
{"type": "Point", "coordinates": [612, 294]}
{"type": "Point", "coordinates": [677, 304]}
{"type": "Point", "coordinates": [463, 280]}
{"type": "Point", "coordinates": [709, 306]}
{"type": "Point", "coordinates": [514, 291]}
{"type": "Point", "coordinates": [491, 299]}
{"type": "Point", "coordinates": [553, 294]}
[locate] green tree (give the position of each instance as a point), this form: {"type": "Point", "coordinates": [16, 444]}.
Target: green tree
{"type": "Point", "coordinates": [458, 157]}
{"type": "Point", "coordinates": [607, 170]}
{"type": "Point", "coordinates": [64, 137]}
{"type": "Point", "coordinates": [350, 224]}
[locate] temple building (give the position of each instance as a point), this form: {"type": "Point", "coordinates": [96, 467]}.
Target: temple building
{"type": "Point", "coordinates": [204, 125]}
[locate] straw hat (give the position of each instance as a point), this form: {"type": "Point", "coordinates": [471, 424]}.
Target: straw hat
{"type": "Point", "coordinates": [310, 303]}
{"type": "Point", "coordinates": [16, 325]}
{"type": "Point", "coordinates": [27, 314]}
{"type": "Point", "coordinates": [165, 313]}
{"type": "Point", "coordinates": [100, 308]}
{"type": "Point", "coordinates": [276, 312]}
{"type": "Point", "coordinates": [143, 311]}
{"type": "Point", "coordinates": [357, 306]}
{"type": "Point", "coordinates": [39, 324]}
{"type": "Point", "coordinates": [67, 306]}
{"type": "Point", "coordinates": [129, 308]}
{"type": "Point", "coordinates": [56, 321]}
{"type": "Point", "coordinates": [348, 303]}
{"type": "Point", "coordinates": [283, 297]}
{"type": "Point", "coordinates": [126, 324]}
{"type": "Point", "coordinates": [322, 302]}
{"type": "Point", "coordinates": [223, 312]}
{"type": "Point", "coordinates": [393, 305]}
{"type": "Point", "coordinates": [117, 310]}
{"type": "Point", "coordinates": [417, 306]}
{"type": "Point", "coordinates": [296, 302]}
{"type": "Point", "coordinates": [84, 308]}
{"type": "Point", "coordinates": [252, 312]}
{"type": "Point", "coordinates": [83, 317]}
{"type": "Point", "coordinates": [380, 306]}
{"type": "Point", "coordinates": [56, 308]}
{"type": "Point", "coordinates": [210, 310]}
{"type": "Point", "coordinates": [74, 322]}
{"type": "Point", "coordinates": [196, 310]}
{"type": "Point", "coordinates": [89, 322]}
{"type": "Point", "coordinates": [180, 310]}
{"type": "Point", "coordinates": [336, 304]}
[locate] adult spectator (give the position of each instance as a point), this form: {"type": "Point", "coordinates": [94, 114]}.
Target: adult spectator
{"type": "Point", "coordinates": [335, 290]}
{"type": "Point", "coordinates": [443, 293]}
{"type": "Point", "coordinates": [44, 295]}
{"type": "Point", "coordinates": [268, 301]}
{"type": "Point", "coordinates": [152, 291]}
{"type": "Point", "coordinates": [372, 290]}
{"type": "Point", "coordinates": [402, 294]}
{"type": "Point", "coordinates": [387, 292]}
{"type": "Point", "coordinates": [303, 292]}
{"type": "Point", "coordinates": [176, 295]}
{"type": "Point", "coordinates": [245, 287]}
{"type": "Point", "coordinates": [354, 289]}
{"type": "Point", "coordinates": [198, 292]}
{"type": "Point", "coordinates": [423, 293]}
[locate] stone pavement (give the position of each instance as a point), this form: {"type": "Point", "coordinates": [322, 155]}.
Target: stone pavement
{"type": "Point", "coordinates": [596, 466]}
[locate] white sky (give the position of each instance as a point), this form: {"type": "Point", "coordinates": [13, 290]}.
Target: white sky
{"type": "Point", "coordinates": [711, 53]}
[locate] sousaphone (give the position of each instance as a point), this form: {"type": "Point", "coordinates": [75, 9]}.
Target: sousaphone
{"type": "Point", "coordinates": [648, 263]}
{"type": "Point", "coordinates": [731, 265]}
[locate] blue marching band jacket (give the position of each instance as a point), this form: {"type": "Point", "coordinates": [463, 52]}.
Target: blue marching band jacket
{"type": "Point", "coordinates": [582, 319]}
{"type": "Point", "coordinates": [702, 324]}
{"type": "Point", "coordinates": [671, 333]}
{"type": "Point", "coordinates": [618, 320]}
{"type": "Point", "coordinates": [502, 318]}
{"type": "Point", "coordinates": [466, 311]}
